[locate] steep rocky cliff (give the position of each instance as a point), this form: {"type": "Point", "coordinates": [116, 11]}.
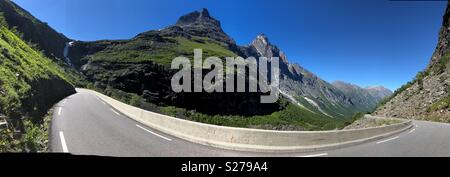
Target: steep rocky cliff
{"type": "Point", "coordinates": [427, 96]}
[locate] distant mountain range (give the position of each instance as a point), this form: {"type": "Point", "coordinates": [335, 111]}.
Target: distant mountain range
{"type": "Point", "coordinates": [367, 98]}
{"type": "Point", "coordinates": [140, 65]}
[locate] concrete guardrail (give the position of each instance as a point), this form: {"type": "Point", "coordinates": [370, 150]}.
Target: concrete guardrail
{"type": "Point", "coordinates": [255, 140]}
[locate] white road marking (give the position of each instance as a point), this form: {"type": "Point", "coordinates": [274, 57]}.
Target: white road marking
{"type": "Point", "coordinates": [115, 112]}
{"type": "Point", "coordinates": [390, 139]}
{"type": "Point", "coordinates": [412, 130]}
{"type": "Point", "coordinates": [63, 142]}
{"type": "Point", "coordinates": [99, 99]}
{"type": "Point", "coordinates": [59, 111]}
{"type": "Point", "coordinates": [314, 155]}
{"type": "Point", "coordinates": [168, 139]}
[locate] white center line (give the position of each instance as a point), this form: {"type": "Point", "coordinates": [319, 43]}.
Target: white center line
{"type": "Point", "coordinates": [59, 111]}
{"type": "Point", "coordinates": [412, 130]}
{"type": "Point", "coordinates": [379, 142]}
{"type": "Point", "coordinates": [115, 112]}
{"type": "Point", "coordinates": [63, 142]}
{"type": "Point", "coordinates": [168, 139]}
{"type": "Point", "coordinates": [315, 155]}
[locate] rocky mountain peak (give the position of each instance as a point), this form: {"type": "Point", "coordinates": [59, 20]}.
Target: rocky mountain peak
{"type": "Point", "coordinates": [264, 48]}
{"type": "Point", "coordinates": [204, 12]}
{"type": "Point", "coordinates": [200, 23]}
{"type": "Point", "coordinates": [200, 17]}
{"type": "Point", "coordinates": [262, 38]}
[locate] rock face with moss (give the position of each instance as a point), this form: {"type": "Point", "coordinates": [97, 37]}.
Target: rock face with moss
{"type": "Point", "coordinates": [427, 96]}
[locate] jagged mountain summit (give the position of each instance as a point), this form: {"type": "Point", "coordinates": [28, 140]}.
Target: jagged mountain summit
{"type": "Point", "coordinates": [309, 91]}
{"type": "Point", "coordinates": [200, 23]}
{"type": "Point", "coordinates": [428, 95]}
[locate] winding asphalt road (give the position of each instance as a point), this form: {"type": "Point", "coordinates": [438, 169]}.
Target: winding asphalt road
{"type": "Point", "coordinates": [85, 125]}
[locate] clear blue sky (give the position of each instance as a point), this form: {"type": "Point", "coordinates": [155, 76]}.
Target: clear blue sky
{"type": "Point", "coordinates": [365, 42]}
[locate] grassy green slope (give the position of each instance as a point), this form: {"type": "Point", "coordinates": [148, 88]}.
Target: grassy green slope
{"type": "Point", "coordinates": [19, 66]}
{"type": "Point", "coordinates": [26, 76]}
{"type": "Point", "coordinates": [162, 52]}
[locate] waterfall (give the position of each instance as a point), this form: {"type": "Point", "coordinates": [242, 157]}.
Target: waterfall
{"type": "Point", "coordinates": [66, 53]}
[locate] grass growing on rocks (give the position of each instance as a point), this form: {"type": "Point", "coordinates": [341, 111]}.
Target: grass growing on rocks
{"type": "Point", "coordinates": [162, 53]}
{"type": "Point", "coordinates": [34, 139]}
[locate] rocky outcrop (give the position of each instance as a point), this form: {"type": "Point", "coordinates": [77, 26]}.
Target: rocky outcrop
{"type": "Point", "coordinates": [200, 23]}
{"type": "Point", "coordinates": [44, 94]}
{"type": "Point", "coordinates": [427, 96]}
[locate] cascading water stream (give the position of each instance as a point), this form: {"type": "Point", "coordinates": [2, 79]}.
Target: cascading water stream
{"type": "Point", "coordinates": [66, 53]}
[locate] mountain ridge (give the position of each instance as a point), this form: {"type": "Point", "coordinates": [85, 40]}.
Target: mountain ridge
{"type": "Point", "coordinates": [198, 28]}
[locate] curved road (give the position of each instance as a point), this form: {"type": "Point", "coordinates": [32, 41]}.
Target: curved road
{"type": "Point", "coordinates": [83, 124]}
